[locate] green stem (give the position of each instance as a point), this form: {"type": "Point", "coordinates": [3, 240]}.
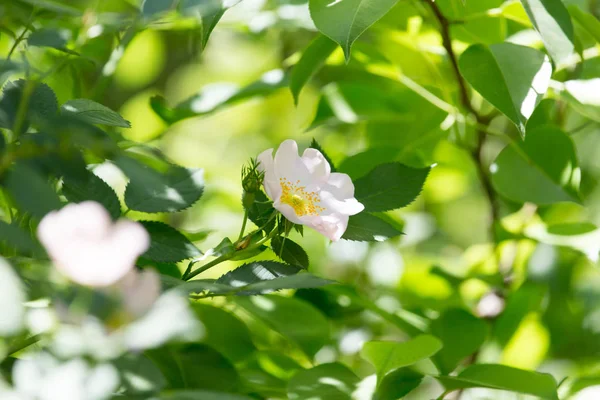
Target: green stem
{"type": "Point", "coordinates": [23, 104]}
{"type": "Point", "coordinates": [229, 256]}
{"type": "Point", "coordinates": [17, 41]}
{"type": "Point", "coordinates": [243, 225]}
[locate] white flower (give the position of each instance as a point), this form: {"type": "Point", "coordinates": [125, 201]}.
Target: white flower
{"type": "Point", "coordinates": [305, 190]}
{"type": "Point", "coordinates": [87, 247]}
{"type": "Point", "coordinates": [43, 377]}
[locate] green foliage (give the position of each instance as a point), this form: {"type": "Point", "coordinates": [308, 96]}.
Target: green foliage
{"type": "Point", "coordinates": [31, 192]}
{"type": "Point", "coordinates": [543, 169]}
{"type": "Point", "coordinates": [313, 58]}
{"type": "Point", "coordinates": [365, 227]}
{"type": "Point", "coordinates": [513, 89]}
{"type": "Point", "coordinates": [94, 113]}
{"type": "Point", "coordinates": [390, 186]}
{"type": "Point", "coordinates": [167, 244]}
{"type": "Point", "coordinates": [461, 334]}
{"type": "Point", "coordinates": [289, 251]}
{"type": "Point", "coordinates": [295, 319]}
{"type": "Point", "coordinates": [389, 356]}
{"type": "Point", "coordinates": [344, 22]}
{"type": "Point", "coordinates": [309, 384]}
{"type": "Point", "coordinates": [503, 378]}
{"type": "Point", "coordinates": [92, 188]}
{"type": "Point", "coordinates": [468, 145]}
{"type": "Point", "coordinates": [545, 16]}
{"type": "Point", "coordinates": [150, 191]}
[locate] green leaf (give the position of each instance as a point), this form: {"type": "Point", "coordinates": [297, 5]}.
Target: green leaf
{"type": "Point", "coordinates": [293, 318]}
{"type": "Point", "coordinates": [17, 238]}
{"type": "Point", "coordinates": [303, 280]}
{"type": "Point", "coordinates": [326, 381]}
{"type": "Point", "coordinates": [261, 211]}
{"type": "Point", "coordinates": [571, 228]}
{"type": "Point", "coordinates": [390, 186]}
{"type": "Point", "coordinates": [151, 8]}
{"type": "Point", "coordinates": [461, 333]}
{"type": "Point", "coordinates": [502, 377]}
{"type": "Point", "coordinates": [551, 19]}
{"type": "Point", "coordinates": [150, 191]}
{"type": "Point", "coordinates": [365, 227]}
{"type": "Point", "coordinates": [582, 95]}
{"type": "Point", "coordinates": [195, 366]}
{"type": "Point", "coordinates": [31, 192]}
{"type": "Point", "coordinates": [215, 96]}
{"type": "Point", "coordinates": [42, 106]}
{"type": "Point", "coordinates": [313, 58]}
{"type": "Point", "coordinates": [360, 164]}
{"type": "Point", "coordinates": [513, 88]}
{"type": "Point", "coordinates": [345, 21]}
{"type": "Point", "coordinates": [587, 20]}
{"type": "Point", "coordinates": [94, 113]}
{"type": "Point", "coordinates": [207, 11]}
{"type": "Point", "coordinates": [92, 188]}
{"type": "Point", "coordinates": [315, 145]}
{"type": "Point", "coordinates": [398, 384]}
{"type": "Point", "coordinates": [53, 38]}
{"type": "Point", "coordinates": [168, 244]}
{"type": "Point", "coordinates": [139, 375]}
{"type": "Point", "coordinates": [389, 356]}
{"type": "Point", "coordinates": [542, 170]}
{"type": "Point", "coordinates": [225, 332]}
{"type": "Point", "coordinates": [200, 395]}
{"type": "Point", "coordinates": [257, 271]}
{"type": "Point", "coordinates": [289, 251]}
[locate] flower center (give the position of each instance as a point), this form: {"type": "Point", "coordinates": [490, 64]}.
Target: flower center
{"type": "Point", "coordinates": [303, 202]}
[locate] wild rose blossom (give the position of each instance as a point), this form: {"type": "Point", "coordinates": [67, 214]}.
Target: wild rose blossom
{"type": "Point", "coordinates": [305, 190]}
{"type": "Point", "coordinates": [87, 247]}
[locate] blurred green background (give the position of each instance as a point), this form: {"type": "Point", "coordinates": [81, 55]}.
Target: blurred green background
{"type": "Point", "coordinates": [546, 316]}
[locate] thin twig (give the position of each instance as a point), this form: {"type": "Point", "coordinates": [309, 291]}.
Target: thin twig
{"type": "Point", "coordinates": [476, 153]}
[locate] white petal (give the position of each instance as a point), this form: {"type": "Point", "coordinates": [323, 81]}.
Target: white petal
{"type": "Point", "coordinates": [271, 181]}
{"type": "Point", "coordinates": [348, 206]}
{"type": "Point", "coordinates": [140, 290]}
{"type": "Point", "coordinates": [331, 226]}
{"type": "Point", "coordinates": [317, 165]}
{"type": "Point", "coordinates": [87, 247]}
{"type": "Point", "coordinates": [288, 164]}
{"type": "Point", "coordinates": [342, 183]}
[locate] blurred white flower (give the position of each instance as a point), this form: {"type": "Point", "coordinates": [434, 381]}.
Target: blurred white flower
{"type": "Point", "coordinates": [169, 318]}
{"type": "Point", "coordinates": [139, 290]}
{"type": "Point", "coordinates": [42, 377]}
{"type": "Point", "coordinates": [11, 299]}
{"type": "Point", "coordinates": [87, 247]}
{"type": "Point", "coordinates": [305, 190]}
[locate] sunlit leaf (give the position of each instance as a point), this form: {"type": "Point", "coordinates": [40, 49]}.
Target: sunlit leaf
{"type": "Point", "coordinates": [513, 88]}
{"type": "Point", "coordinates": [551, 19]}
{"type": "Point", "coordinates": [543, 169]}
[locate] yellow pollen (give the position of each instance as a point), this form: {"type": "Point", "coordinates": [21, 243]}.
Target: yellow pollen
{"type": "Point", "coordinates": [303, 202]}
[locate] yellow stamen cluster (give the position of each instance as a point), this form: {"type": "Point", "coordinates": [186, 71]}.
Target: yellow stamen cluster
{"type": "Point", "coordinates": [303, 202]}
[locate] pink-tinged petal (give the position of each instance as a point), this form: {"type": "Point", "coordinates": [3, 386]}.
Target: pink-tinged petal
{"type": "Point", "coordinates": [87, 247]}
{"type": "Point", "coordinates": [271, 181]}
{"type": "Point", "coordinates": [331, 226]}
{"type": "Point", "coordinates": [343, 185]}
{"type": "Point", "coordinates": [333, 205]}
{"type": "Point", "coordinates": [289, 165]}
{"type": "Point", "coordinates": [316, 164]}
{"type": "Point", "coordinates": [287, 212]}
{"type": "Point", "coordinates": [139, 290]}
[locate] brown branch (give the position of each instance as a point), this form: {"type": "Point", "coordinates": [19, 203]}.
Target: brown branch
{"type": "Point", "coordinates": [476, 153]}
